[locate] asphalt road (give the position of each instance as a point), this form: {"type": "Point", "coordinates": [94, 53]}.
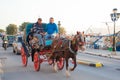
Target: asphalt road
{"type": "Point", "coordinates": [15, 71]}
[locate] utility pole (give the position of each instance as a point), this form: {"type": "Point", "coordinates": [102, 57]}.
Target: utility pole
{"type": "Point", "coordinates": [59, 24]}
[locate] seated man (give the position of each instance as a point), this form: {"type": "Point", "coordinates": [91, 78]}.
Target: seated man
{"type": "Point", "coordinates": [51, 29]}
{"type": "Point", "coordinates": [38, 31]}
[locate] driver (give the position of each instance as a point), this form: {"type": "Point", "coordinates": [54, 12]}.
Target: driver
{"type": "Point", "coordinates": [38, 31]}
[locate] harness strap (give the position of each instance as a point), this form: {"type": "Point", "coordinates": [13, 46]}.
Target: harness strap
{"type": "Point", "coordinates": [71, 49]}
{"type": "Point", "coordinates": [63, 43]}
{"type": "Point", "coordinates": [59, 42]}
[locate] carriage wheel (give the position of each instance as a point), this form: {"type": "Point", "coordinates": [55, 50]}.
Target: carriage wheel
{"type": "Point", "coordinates": [50, 62]}
{"type": "Point", "coordinates": [60, 63]}
{"type": "Point", "coordinates": [36, 61]}
{"type": "Point", "coordinates": [24, 57]}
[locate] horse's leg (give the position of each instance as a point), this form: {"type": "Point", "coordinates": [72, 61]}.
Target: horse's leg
{"type": "Point", "coordinates": [75, 63]}
{"type": "Point", "coordinates": [83, 48]}
{"type": "Point", "coordinates": [52, 58]}
{"type": "Point", "coordinates": [32, 55]}
{"type": "Point", "coordinates": [55, 63]}
{"type": "Point", "coordinates": [67, 70]}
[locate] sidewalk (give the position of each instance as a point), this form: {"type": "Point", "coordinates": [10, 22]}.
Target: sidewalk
{"type": "Point", "coordinates": [102, 53]}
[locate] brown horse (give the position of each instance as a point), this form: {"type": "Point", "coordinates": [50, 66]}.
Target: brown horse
{"type": "Point", "coordinates": [66, 48]}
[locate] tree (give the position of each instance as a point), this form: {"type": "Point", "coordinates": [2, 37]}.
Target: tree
{"type": "Point", "coordinates": [62, 30]}
{"type": "Point", "coordinates": [23, 25]}
{"type": "Point", "coordinates": [1, 30]}
{"type": "Point", "coordinates": [11, 29]}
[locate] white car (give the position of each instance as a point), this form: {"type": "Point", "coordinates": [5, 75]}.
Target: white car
{"type": "Point", "coordinates": [17, 45]}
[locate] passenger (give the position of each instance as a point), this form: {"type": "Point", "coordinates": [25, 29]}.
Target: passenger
{"type": "Point", "coordinates": [51, 29]}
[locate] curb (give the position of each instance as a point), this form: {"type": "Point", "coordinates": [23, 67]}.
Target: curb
{"type": "Point", "coordinates": [97, 65]}
{"type": "Point", "coordinates": [89, 63]}
{"type": "Point", "coordinates": [101, 55]}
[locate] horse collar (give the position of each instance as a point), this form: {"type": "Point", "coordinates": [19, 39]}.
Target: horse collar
{"type": "Point", "coordinates": [71, 49]}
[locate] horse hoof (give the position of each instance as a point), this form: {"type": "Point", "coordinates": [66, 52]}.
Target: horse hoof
{"type": "Point", "coordinates": [67, 74]}
{"type": "Point", "coordinates": [55, 68]}
{"type": "Point", "coordinates": [71, 69]}
{"type": "Point", "coordinates": [55, 71]}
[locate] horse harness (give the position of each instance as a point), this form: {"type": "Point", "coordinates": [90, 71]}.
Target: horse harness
{"type": "Point", "coordinates": [62, 44]}
{"type": "Point", "coordinates": [71, 48]}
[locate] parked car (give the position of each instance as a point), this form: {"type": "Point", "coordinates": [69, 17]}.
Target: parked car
{"type": "Point", "coordinates": [11, 39]}
{"type": "Point", "coordinates": [17, 45]}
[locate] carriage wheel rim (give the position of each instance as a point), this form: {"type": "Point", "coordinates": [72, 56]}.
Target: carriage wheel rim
{"type": "Point", "coordinates": [36, 61]}
{"type": "Point", "coordinates": [24, 57]}
{"type": "Point", "coordinates": [22, 51]}
{"type": "Point", "coordinates": [60, 63]}
{"type": "Point", "coordinates": [24, 60]}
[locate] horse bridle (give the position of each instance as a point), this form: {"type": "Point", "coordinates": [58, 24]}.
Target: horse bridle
{"type": "Point", "coordinates": [72, 51]}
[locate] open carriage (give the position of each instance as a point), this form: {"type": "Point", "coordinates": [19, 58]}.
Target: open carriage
{"type": "Point", "coordinates": [39, 56]}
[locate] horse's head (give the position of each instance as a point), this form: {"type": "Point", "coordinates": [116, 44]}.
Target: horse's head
{"type": "Point", "coordinates": [78, 41]}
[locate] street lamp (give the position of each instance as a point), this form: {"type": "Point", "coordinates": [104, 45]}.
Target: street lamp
{"type": "Point", "coordinates": [114, 18]}
{"type": "Point", "coordinates": [59, 24]}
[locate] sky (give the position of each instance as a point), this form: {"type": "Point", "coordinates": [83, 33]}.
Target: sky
{"type": "Point", "coordinates": [75, 15]}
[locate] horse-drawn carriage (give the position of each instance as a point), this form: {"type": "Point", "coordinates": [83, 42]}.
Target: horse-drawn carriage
{"type": "Point", "coordinates": [39, 56]}
{"type": "Point", "coordinates": [56, 51]}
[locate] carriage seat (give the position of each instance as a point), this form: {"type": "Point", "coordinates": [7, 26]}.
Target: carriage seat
{"type": "Point", "coordinates": [48, 42]}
